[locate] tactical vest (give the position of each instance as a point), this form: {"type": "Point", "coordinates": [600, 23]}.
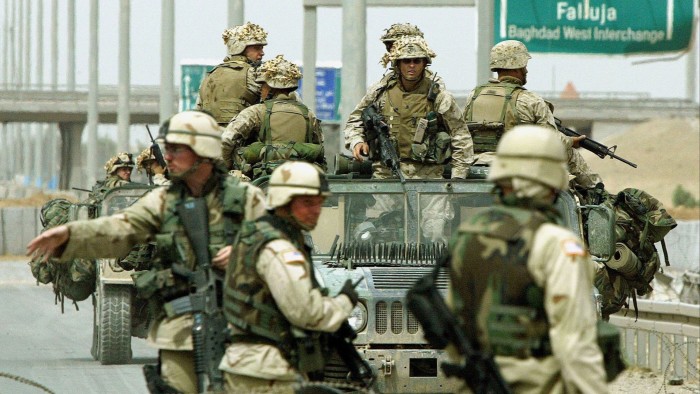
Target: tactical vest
{"type": "Point", "coordinates": [286, 133]}
{"type": "Point", "coordinates": [224, 91]}
{"type": "Point", "coordinates": [492, 103]}
{"type": "Point", "coordinates": [250, 307]}
{"type": "Point", "coordinates": [174, 251]}
{"type": "Point", "coordinates": [502, 306]}
{"type": "Point", "coordinates": [402, 111]}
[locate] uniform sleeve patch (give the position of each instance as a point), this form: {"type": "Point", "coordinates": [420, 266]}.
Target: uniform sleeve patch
{"type": "Point", "coordinates": [573, 248]}
{"type": "Point", "coordinates": [289, 257]}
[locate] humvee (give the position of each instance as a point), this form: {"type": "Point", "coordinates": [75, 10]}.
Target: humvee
{"type": "Point", "coordinates": [389, 252]}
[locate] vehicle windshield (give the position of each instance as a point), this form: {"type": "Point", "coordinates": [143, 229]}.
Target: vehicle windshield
{"type": "Point", "coordinates": [122, 197]}
{"type": "Point", "coordinates": [385, 219]}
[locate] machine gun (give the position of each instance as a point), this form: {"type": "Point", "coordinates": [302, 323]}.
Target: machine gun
{"type": "Point", "coordinates": [155, 150]}
{"type": "Point", "coordinates": [441, 328]}
{"type": "Point", "coordinates": [380, 145]}
{"type": "Point", "coordinates": [209, 327]}
{"type": "Point", "coordinates": [596, 147]}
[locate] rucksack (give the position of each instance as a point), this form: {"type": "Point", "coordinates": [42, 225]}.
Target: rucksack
{"type": "Point", "coordinates": [641, 221]}
{"type": "Point", "coordinates": [76, 279]}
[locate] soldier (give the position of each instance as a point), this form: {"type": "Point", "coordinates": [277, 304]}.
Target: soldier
{"type": "Point", "coordinates": [520, 283]}
{"type": "Point", "coordinates": [279, 315]}
{"type": "Point", "coordinates": [191, 150]}
{"type": "Point", "coordinates": [157, 175]}
{"type": "Point", "coordinates": [406, 100]}
{"type": "Point", "coordinates": [505, 101]}
{"type": "Point", "coordinates": [279, 128]}
{"type": "Point", "coordinates": [231, 86]}
{"type": "Point", "coordinates": [118, 170]}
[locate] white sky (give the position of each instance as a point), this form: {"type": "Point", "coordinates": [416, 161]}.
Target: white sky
{"type": "Point", "coordinates": [451, 32]}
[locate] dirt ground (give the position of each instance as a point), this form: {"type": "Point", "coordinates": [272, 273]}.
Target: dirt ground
{"type": "Point", "coordinates": [667, 153]}
{"type": "Point", "coordinates": [643, 381]}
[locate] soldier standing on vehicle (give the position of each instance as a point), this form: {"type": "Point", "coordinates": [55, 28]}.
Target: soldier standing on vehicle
{"type": "Point", "coordinates": [192, 149]}
{"type": "Point", "coordinates": [522, 284]}
{"type": "Point", "coordinates": [118, 170]}
{"type": "Point", "coordinates": [279, 128]}
{"type": "Point", "coordinates": [156, 174]}
{"type": "Point", "coordinates": [505, 101]}
{"type": "Point", "coordinates": [426, 127]}
{"type": "Point", "coordinates": [230, 87]}
{"type": "Point", "coordinates": [280, 316]}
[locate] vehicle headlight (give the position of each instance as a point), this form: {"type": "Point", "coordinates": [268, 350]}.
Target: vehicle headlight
{"type": "Point", "coordinates": [358, 317]}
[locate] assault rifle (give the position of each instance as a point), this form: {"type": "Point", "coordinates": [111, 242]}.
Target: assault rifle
{"type": "Point", "coordinates": [590, 145]}
{"type": "Point", "coordinates": [209, 327]}
{"type": "Point", "coordinates": [155, 149]}
{"type": "Point", "coordinates": [377, 129]}
{"type": "Point", "coordinates": [441, 328]}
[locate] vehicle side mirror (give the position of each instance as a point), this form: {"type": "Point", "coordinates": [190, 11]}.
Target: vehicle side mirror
{"type": "Point", "coordinates": [600, 225]}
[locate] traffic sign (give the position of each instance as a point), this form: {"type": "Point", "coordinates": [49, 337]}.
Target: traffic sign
{"type": "Point", "coordinates": [191, 76]}
{"type": "Point", "coordinates": [596, 26]}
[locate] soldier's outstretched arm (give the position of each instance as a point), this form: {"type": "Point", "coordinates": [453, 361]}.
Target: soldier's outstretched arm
{"type": "Point", "coordinates": [48, 244]}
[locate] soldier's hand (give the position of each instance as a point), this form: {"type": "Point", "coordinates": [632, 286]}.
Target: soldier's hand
{"type": "Point", "coordinates": [360, 150]}
{"type": "Point", "coordinates": [49, 244]}
{"type": "Point", "coordinates": [220, 261]}
{"type": "Point", "coordinates": [349, 290]}
{"type": "Point", "coordinates": [576, 141]}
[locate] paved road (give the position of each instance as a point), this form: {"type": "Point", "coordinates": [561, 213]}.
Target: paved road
{"type": "Point", "coordinates": [39, 343]}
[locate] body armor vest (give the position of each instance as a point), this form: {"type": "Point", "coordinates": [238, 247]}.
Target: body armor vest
{"type": "Point", "coordinates": [403, 110]}
{"type": "Point", "coordinates": [224, 92]}
{"type": "Point", "coordinates": [248, 302]}
{"type": "Point", "coordinates": [492, 103]}
{"type": "Point", "coordinates": [502, 307]}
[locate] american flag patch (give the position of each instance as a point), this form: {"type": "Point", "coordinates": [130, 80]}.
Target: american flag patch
{"type": "Point", "coordinates": [293, 256]}
{"type": "Point", "coordinates": [573, 248]}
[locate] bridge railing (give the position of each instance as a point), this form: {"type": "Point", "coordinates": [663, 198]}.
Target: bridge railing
{"type": "Point", "coordinates": [664, 338]}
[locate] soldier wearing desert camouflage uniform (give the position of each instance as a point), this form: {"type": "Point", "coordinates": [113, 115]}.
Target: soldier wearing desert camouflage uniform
{"type": "Point", "coordinates": [504, 100]}
{"type": "Point", "coordinates": [118, 170]}
{"type": "Point", "coordinates": [230, 87]}
{"type": "Point", "coordinates": [520, 283]}
{"type": "Point", "coordinates": [192, 151]}
{"type": "Point", "coordinates": [403, 101]}
{"type": "Point", "coordinates": [279, 128]}
{"type": "Point", "coordinates": [156, 174]}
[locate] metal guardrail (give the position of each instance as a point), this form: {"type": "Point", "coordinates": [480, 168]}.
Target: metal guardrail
{"type": "Point", "coordinates": [665, 338]}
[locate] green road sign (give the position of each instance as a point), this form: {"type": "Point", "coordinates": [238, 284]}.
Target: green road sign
{"type": "Point", "coordinates": [596, 26]}
{"type": "Point", "coordinates": [192, 74]}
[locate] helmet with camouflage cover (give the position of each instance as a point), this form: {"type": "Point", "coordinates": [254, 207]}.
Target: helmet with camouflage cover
{"type": "Point", "coordinates": [398, 30]}
{"type": "Point", "coordinates": [411, 47]}
{"type": "Point", "coordinates": [121, 159]}
{"type": "Point", "coordinates": [196, 129]}
{"type": "Point", "coordinates": [531, 152]}
{"type": "Point", "coordinates": [239, 37]}
{"type": "Point", "coordinates": [279, 73]}
{"type": "Point", "coordinates": [144, 158]}
{"type": "Point", "coordinates": [295, 178]}
{"type": "Point", "coordinates": [508, 55]}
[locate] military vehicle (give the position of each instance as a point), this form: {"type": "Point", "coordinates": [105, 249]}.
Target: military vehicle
{"type": "Point", "coordinates": [118, 314]}
{"type": "Point", "coordinates": [358, 238]}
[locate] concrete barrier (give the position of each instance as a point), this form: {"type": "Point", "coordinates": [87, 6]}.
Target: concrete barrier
{"type": "Point", "coordinates": [19, 226]}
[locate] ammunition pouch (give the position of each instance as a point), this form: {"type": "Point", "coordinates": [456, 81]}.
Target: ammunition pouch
{"type": "Point", "coordinates": [486, 135]}
{"type": "Point", "coordinates": [436, 149]}
{"type": "Point", "coordinates": [516, 331]}
{"type": "Point", "coordinates": [155, 383]}
{"type": "Point", "coordinates": [307, 350]}
{"type": "Point", "coordinates": [162, 283]}
{"type": "Point", "coordinates": [609, 342]}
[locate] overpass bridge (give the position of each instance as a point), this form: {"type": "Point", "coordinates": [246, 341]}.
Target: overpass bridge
{"type": "Point", "coordinates": [596, 114]}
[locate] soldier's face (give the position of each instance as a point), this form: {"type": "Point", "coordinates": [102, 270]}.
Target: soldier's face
{"type": "Point", "coordinates": [124, 173]}
{"type": "Point", "coordinates": [254, 53]}
{"type": "Point", "coordinates": [179, 158]}
{"type": "Point", "coordinates": [307, 209]}
{"type": "Point", "coordinates": [411, 69]}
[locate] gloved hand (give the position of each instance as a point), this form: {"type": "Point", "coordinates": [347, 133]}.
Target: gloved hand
{"type": "Point", "coordinates": [349, 290]}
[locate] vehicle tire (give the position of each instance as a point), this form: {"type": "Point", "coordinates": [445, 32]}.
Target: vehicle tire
{"type": "Point", "coordinates": [113, 334]}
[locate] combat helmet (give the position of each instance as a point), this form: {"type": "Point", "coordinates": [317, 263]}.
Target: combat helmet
{"type": "Point", "coordinates": [411, 47]}
{"type": "Point", "coordinates": [279, 73]}
{"type": "Point", "coordinates": [295, 178]}
{"type": "Point", "coordinates": [196, 129]}
{"type": "Point", "coordinates": [239, 37]}
{"type": "Point", "coordinates": [508, 55]}
{"type": "Point", "coordinates": [531, 152]}
{"type": "Point", "coordinates": [121, 159]}
{"type": "Point", "coordinates": [144, 158]}
{"type": "Point", "coordinates": [398, 30]}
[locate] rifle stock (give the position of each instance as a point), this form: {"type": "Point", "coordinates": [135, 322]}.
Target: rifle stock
{"type": "Point", "coordinates": [591, 145]}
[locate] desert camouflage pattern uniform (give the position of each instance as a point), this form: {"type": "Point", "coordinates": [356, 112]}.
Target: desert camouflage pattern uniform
{"type": "Point", "coordinates": [533, 109]}
{"type": "Point", "coordinates": [559, 264]}
{"type": "Point", "coordinates": [115, 235]}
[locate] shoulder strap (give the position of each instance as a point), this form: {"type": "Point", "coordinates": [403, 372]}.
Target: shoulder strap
{"type": "Point", "coordinates": [233, 201]}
